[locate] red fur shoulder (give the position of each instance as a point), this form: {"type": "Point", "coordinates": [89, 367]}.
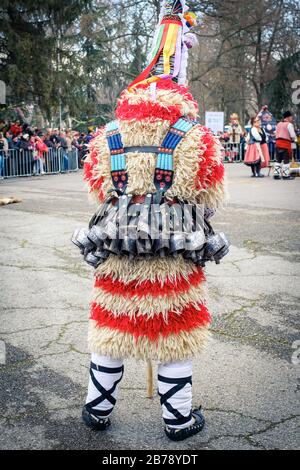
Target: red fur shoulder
{"type": "Point", "coordinates": [211, 170]}
{"type": "Point", "coordinates": [90, 168]}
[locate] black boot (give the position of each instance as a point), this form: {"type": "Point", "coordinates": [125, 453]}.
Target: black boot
{"type": "Point", "coordinates": [92, 421]}
{"type": "Point", "coordinates": [181, 434]}
{"type": "Point", "coordinates": [257, 169]}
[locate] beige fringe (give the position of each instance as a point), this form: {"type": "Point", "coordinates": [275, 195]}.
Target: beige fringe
{"type": "Point", "coordinates": [154, 270]}
{"type": "Point", "coordinates": [108, 342]}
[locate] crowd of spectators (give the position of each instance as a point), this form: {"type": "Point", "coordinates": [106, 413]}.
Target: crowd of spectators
{"type": "Point", "coordinates": [28, 150]}
{"type": "Point", "coordinates": [237, 151]}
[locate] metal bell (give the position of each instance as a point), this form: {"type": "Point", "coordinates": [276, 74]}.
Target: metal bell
{"type": "Point", "coordinates": [195, 241]}
{"type": "Point", "coordinates": [177, 243]}
{"type": "Point", "coordinates": [96, 235]}
{"type": "Point", "coordinates": [216, 246]}
{"type": "Point", "coordinates": [92, 260]}
{"type": "Point", "coordinates": [80, 239]}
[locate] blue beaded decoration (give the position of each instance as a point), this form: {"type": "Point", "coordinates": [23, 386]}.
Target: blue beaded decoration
{"type": "Point", "coordinates": [164, 172]}
{"type": "Point", "coordinates": [117, 156]}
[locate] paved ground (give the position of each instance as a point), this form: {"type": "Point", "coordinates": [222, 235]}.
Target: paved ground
{"type": "Point", "coordinates": [245, 380]}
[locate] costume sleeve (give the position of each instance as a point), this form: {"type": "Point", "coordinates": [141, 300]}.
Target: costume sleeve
{"type": "Point", "coordinates": [255, 134]}
{"type": "Point", "coordinates": [97, 167]}
{"type": "Point", "coordinates": [292, 132]}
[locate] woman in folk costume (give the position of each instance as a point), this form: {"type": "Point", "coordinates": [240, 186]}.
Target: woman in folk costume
{"type": "Point", "coordinates": [257, 155]}
{"type": "Point", "coordinates": [159, 176]}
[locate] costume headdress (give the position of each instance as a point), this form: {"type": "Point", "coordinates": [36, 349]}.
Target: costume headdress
{"type": "Point", "coordinates": [234, 117]}
{"type": "Point", "coordinates": [172, 39]}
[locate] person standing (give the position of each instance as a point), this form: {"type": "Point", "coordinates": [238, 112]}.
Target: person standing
{"type": "Point", "coordinates": [257, 155]}
{"type": "Point", "coordinates": [285, 141]}
{"type": "Point", "coordinates": [3, 153]}
{"type": "Point", "coordinates": [40, 149]}
{"type": "Point", "coordinates": [298, 145]}
{"type": "Point", "coordinates": [149, 300]}
{"type": "Point", "coordinates": [63, 145]}
{"type": "Point", "coordinates": [235, 132]}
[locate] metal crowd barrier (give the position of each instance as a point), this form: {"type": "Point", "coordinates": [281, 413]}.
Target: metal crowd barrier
{"type": "Point", "coordinates": [236, 152]}
{"type": "Point", "coordinates": [17, 163]}
{"type": "Point", "coordinates": [233, 152]}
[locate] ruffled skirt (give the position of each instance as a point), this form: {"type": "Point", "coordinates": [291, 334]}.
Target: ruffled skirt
{"type": "Point", "coordinates": [253, 155]}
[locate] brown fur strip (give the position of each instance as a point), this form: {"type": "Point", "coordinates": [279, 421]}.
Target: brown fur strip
{"type": "Point", "coordinates": [173, 348]}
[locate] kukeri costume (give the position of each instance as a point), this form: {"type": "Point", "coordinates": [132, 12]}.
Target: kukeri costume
{"type": "Point", "coordinates": [158, 175]}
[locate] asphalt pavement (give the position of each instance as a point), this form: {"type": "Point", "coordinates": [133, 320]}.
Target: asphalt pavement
{"type": "Point", "coordinates": [248, 378]}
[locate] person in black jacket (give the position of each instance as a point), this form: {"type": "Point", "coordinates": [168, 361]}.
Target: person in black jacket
{"type": "Point", "coordinates": [3, 145]}
{"type": "Point", "coordinates": [63, 149]}
{"type": "Point", "coordinates": [26, 161]}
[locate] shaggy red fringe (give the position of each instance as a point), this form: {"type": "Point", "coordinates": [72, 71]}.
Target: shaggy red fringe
{"type": "Point", "coordinates": [189, 319]}
{"type": "Point", "coordinates": [155, 289]}
{"type": "Point", "coordinates": [210, 173]}
{"type": "Point", "coordinates": [95, 181]}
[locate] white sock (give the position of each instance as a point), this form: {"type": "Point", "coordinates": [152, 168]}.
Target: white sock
{"type": "Point", "coordinates": [181, 401]}
{"type": "Point", "coordinates": [107, 379]}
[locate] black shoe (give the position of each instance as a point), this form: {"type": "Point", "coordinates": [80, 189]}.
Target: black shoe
{"type": "Point", "coordinates": [260, 175]}
{"type": "Point", "coordinates": [92, 421]}
{"type": "Point", "coordinates": [253, 176]}
{"type": "Point", "coordinates": [277, 177]}
{"type": "Point", "coordinates": [288, 178]}
{"type": "Point", "coordinates": [181, 434]}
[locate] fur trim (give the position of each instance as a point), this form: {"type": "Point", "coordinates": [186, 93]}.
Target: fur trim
{"type": "Point", "coordinates": [149, 306]}
{"type": "Point", "coordinates": [96, 167]}
{"type": "Point", "coordinates": [157, 271]}
{"type": "Point", "coordinates": [185, 345]}
{"type": "Point", "coordinates": [199, 154]}
{"type": "Point", "coordinates": [172, 102]}
{"type": "Point", "coordinates": [141, 289]}
{"type": "Point", "coordinates": [191, 317]}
